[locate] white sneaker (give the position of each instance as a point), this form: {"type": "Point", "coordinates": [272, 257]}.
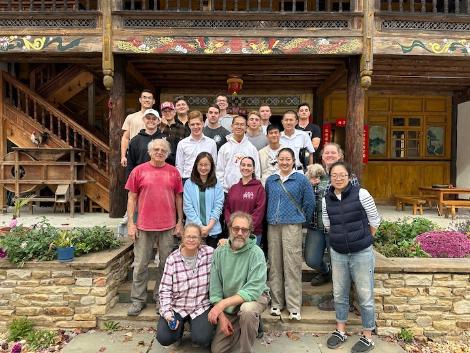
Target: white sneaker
{"type": "Point", "coordinates": [275, 311]}
{"type": "Point", "coordinates": [124, 219]}
{"type": "Point", "coordinates": [294, 316]}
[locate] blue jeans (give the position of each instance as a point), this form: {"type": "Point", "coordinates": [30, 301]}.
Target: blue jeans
{"type": "Point", "coordinates": [358, 267]}
{"type": "Point", "coordinates": [315, 244]}
{"type": "Point", "coordinates": [202, 330]}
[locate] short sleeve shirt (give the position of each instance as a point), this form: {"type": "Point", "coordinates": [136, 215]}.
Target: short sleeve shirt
{"type": "Point", "coordinates": [156, 189]}
{"type": "Point", "coordinates": [134, 123]}
{"type": "Point", "coordinates": [312, 130]}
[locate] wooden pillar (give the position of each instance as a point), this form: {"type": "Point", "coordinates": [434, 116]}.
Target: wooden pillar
{"type": "Point", "coordinates": [3, 141]}
{"type": "Point", "coordinates": [91, 104]}
{"type": "Point", "coordinates": [355, 117]}
{"type": "Point", "coordinates": [453, 141]}
{"type": "Point", "coordinates": [117, 195]}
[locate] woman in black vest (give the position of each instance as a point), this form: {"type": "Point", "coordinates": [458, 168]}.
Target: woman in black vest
{"type": "Point", "coordinates": [350, 215]}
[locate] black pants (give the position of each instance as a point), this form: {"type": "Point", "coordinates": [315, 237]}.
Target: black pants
{"type": "Point", "coordinates": [202, 331]}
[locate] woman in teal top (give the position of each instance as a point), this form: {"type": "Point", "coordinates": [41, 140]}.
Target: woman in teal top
{"type": "Point", "coordinates": [203, 199]}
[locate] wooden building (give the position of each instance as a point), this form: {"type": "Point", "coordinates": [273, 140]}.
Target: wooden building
{"type": "Point", "coordinates": [393, 71]}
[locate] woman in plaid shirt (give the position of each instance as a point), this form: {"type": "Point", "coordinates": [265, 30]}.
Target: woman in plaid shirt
{"type": "Point", "coordinates": [184, 291]}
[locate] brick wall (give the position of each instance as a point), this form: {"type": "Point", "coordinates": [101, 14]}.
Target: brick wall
{"type": "Point", "coordinates": [430, 297]}
{"type": "Point", "coordinates": [63, 295]}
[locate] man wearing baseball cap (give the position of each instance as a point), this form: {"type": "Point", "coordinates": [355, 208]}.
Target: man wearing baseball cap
{"type": "Point", "coordinates": [134, 123]}
{"type": "Point", "coordinates": [175, 130]}
{"type": "Point", "coordinates": [138, 147]}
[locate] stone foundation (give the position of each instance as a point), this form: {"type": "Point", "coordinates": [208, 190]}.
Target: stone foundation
{"type": "Point", "coordinates": [63, 295]}
{"type": "Point", "coordinates": [430, 297]}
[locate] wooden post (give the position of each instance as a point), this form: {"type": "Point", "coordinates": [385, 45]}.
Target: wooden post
{"type": "Point", "coordinates": [355, 117]}
{"type": "Point", "coordinates": [453, 141]}
{"type": "Point", "coordinates": [91, 104]}
{"type": "Point", "coordinates": [3, 142]}
{"type": "Point", "coordinates": [117, 195]}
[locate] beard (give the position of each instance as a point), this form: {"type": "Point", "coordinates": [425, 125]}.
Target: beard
{"type": "Point", "coordinates": [237, 242]}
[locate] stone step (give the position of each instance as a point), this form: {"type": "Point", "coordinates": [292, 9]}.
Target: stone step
{"type": "Point", "coordinates": [307, 272]}
{"type": "Point", "coordinates": [313, 320]}
{"type": "Point", "coordinates": [311, 295]}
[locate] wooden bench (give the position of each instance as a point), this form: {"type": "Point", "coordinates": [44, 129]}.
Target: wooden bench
{"type": "Point", "coordinates": [415, 201]}
{"type": "Point", "coordinates": [452, 205]}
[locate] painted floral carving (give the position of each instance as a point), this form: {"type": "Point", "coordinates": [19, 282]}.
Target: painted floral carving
{"type": "Point", "coordinates": [444, 47]}
{"type": "Point", "coordinates": [36, 43]}
{"type": "Point", "coordinates": [211, 45]}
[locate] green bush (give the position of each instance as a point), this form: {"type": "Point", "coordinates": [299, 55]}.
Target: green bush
{"type": "Point", "coordinates": [19, 328]}
{"type": "Point", "coordinates": [23, 244]}
{"type": "Point", "coordinates": [40, 339]}
{"type": "Point", "coordinates": [405, 335]}
{"type": "Point", "coordinates": [398, 238]}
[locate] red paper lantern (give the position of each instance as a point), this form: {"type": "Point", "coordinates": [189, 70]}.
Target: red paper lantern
{"type": "Point", "coordinates": [235, 84]}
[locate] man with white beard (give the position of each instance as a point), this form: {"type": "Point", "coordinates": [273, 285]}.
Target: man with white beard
{"type": "Point", "coordinates": [238, 288]}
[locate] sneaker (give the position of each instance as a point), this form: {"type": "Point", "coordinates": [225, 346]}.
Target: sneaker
{"type": "Point", "coordinates": [336, 339]}
{"type": "Point", "coordinates": [275, 311]}
{"type": "Point", "coordinates": [260, 333]}
{"type": "Point", "coordinates": [327, 305]}
{"type": "Point", "coordinates": [320, 278]}
{"type": "Point", "coordinates": [363, 345]}
{"type": "Point", "coordinates": [294, 316]}
{"type": "Point", "coordinates": [136, 308]}
{"type": "Point", "coordinates": [124, 219]}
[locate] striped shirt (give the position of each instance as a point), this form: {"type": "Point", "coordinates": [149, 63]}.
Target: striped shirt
{"type": "Point", "coordinates": [184, 290]}
{"type": "Point", "coordinates": [366, 201]}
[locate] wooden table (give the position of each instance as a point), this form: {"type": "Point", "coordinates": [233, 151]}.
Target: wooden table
{"type": "Point", "coordinates": [443, 194]}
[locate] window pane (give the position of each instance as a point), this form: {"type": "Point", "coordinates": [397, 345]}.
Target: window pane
{"type": "Point", "coordinates": [399, 121]}
{"type": "Point", "coordinates": [413, 134]}
{"type": "Point", "coordinates": [414, 122]}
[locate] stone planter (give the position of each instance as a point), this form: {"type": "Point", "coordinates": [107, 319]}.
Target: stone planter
{"type": "Point", "coordinates": [63, 295]}
{"type": "Point", "coordinates": [430, 297]}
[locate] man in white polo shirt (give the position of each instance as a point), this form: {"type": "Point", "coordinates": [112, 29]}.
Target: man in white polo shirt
{"type": "Point", "coordinates": [189, 147]}
{"type": "Point", "coordinates": [295, 139]}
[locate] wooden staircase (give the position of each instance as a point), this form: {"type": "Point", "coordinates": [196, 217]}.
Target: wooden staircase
{"type": "Point", "coordinates": [24, 111]}
{"type": "Point", "coordinates": [59, 87]}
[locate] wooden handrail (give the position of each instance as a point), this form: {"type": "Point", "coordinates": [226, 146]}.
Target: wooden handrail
{"type": "Point", "coordinates": [54, 121]}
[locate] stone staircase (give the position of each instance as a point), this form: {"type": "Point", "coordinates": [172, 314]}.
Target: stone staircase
{"type": "Point", "coordinates": [313, 319]}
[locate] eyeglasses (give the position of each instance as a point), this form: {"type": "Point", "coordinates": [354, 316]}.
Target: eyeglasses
{"type": "Point", "coordinates": [237, 230]}
{"type": "Point", "coordinates": [192, 238]}
{"type": "Point", "coordinates": [339, 176]}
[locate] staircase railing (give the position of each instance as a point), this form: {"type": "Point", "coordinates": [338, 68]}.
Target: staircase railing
{"type": "Point", "coordinates": [40, 75]}
{"type": "Point", "coordinates": [54, 121]}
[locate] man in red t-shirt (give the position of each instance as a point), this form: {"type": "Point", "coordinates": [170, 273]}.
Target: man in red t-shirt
{"type": "Point", "coordinates": [156, 188]}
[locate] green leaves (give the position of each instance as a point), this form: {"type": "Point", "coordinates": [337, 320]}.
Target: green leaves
{"type": "Point", "coordinates": [398, 239]}
{"type": "Point", "coordinates": [37, 243]}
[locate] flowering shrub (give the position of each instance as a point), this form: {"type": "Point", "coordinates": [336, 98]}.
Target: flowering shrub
{"type": "Point", "coordinates": [445, 243]}
{"type": "Point", "coordinates": [398, 238]}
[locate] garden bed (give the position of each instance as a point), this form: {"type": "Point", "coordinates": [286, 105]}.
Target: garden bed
{"type": "Point", "coordinates": [423, 295]}
{"type": "Point", "coordinates": [63, 295]}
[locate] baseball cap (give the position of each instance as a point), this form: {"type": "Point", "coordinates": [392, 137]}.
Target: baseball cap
{"type": "Point", "coordinates": [153, 112]}
{"type": "Point", "coordinates": [167, 105]}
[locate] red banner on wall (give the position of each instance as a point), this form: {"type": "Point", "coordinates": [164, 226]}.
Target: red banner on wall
{"type": "Point", "coordinates": [326, 133]}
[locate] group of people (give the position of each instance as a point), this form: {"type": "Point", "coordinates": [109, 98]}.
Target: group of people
{"type": "Point", "coordinates": [205, 180]}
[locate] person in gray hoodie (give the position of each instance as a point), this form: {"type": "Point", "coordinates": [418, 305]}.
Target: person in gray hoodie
{"type": "Point", "coordinates": [232, 152]}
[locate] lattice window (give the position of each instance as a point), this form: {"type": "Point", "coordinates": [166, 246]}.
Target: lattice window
{"type": "Point", "coordinates": [212, 23]}
{"type": "Point", "coordinates": [247, 101]}
{"type": "Point", "coordinates": [425, 25]}
{"type": "Point", "coordinates": [49, 23]}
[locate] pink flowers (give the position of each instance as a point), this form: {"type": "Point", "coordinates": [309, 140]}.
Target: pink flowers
{"type": "Point", "coordinates": [3, 253]}
{"type": "Point", "coordinates": [445, 243]}
{"type": "Point", "coordinates": [16, 348]}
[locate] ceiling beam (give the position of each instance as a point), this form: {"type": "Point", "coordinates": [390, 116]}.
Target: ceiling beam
{"type": "Point", "coordinates": [333, 81]}
{"type": "Point", "coordinates": [137, 76]}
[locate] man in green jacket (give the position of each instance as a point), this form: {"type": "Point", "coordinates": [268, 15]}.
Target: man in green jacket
{"type": "Point", "coordinates": [238, 288]}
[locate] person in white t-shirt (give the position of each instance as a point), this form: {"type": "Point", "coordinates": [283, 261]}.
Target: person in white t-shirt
{"type": "Point", "coordinates": [134, 123]}
{"type": "Point", "coordinates": [295, 139]}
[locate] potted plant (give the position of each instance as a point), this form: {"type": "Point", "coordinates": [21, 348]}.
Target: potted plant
{"type": "Point", "coordinates": [64, 246]}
